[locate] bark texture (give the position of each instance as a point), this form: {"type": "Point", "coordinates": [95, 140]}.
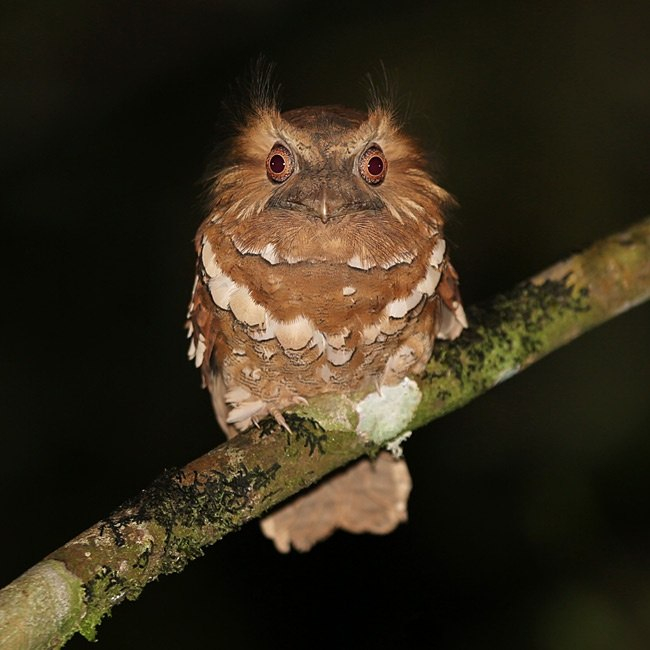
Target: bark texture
{"type": "Point", "coordinates": [186, 509]}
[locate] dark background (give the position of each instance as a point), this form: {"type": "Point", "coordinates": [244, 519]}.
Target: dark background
{"type": "Point", "coordinates": [529, 518]}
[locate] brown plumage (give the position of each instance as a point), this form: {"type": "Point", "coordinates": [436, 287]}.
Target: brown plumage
{"type": "Point", "coordinates": [321, 268]}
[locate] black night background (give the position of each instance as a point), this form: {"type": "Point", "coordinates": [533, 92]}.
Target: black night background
{"type": "Point", "coordinates": [529, 520]}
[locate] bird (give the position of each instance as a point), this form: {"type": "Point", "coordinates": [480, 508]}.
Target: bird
{"type": "Point", "coordinates": [322, 267]}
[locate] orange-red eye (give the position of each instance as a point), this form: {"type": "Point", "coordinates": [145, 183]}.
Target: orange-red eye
{"type": "Point", "coordinates": [279, 164]}
{"type": "Point", "coordinates": [373, 165]}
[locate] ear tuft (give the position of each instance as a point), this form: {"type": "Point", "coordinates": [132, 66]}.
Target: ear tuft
{"type": "Point", "coordinates": [263, 88]}
{"type": "Point", "coordinates": [384, 97]}
{"type": "Point", "coordinates": [254, 95]}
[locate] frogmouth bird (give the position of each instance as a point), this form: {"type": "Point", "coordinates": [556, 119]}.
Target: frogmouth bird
{"type": "Point", "coordinates": [322, 268]}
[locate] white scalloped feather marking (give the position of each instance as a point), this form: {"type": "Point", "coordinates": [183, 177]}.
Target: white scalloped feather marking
{"type": "Point", "coordinates": [430, 281]}
{"type": "Point", "coordinates": [209, 260]}
{"type": "Point", "coordinates": [221, 288]}
{"type": "Point", "coordinates": [295, 334]}
{"type": "Point", "coordinates": [399, 308]}
{"type": "Point", "coordinates": [245, 309]}
{"type": "Point", "coordinates": [438, 253]}
{"type": "Point", "coordinates": [338, 357]}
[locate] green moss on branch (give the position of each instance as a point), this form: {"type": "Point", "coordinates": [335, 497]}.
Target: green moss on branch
{"type": "Point", "coordinates": [186, 509]}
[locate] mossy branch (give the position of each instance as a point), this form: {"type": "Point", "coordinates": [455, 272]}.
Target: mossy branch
{"type": "Point", "coordinates": [186, 509]}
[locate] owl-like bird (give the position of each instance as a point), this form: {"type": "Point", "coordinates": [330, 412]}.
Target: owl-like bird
{"type": "Point", "coordinates": [322, 268]}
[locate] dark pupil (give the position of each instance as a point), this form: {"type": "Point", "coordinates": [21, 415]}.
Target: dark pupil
{"type": "Point", "coordinates": [277, 164]}
{"type": "Point", "coordinates": [375, 166]}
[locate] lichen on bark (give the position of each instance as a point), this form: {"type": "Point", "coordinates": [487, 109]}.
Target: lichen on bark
{"type": "Point", "coordinates": [183, 511]}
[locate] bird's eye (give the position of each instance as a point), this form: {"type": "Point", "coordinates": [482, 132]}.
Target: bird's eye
{"type": "Point", "coordinates": [373, 165]}
{"type": "Point", "coordinates": [279, 164]}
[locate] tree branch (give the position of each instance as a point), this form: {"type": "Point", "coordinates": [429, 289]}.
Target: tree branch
{"type": "Point", "coordinates": [186, 509]}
